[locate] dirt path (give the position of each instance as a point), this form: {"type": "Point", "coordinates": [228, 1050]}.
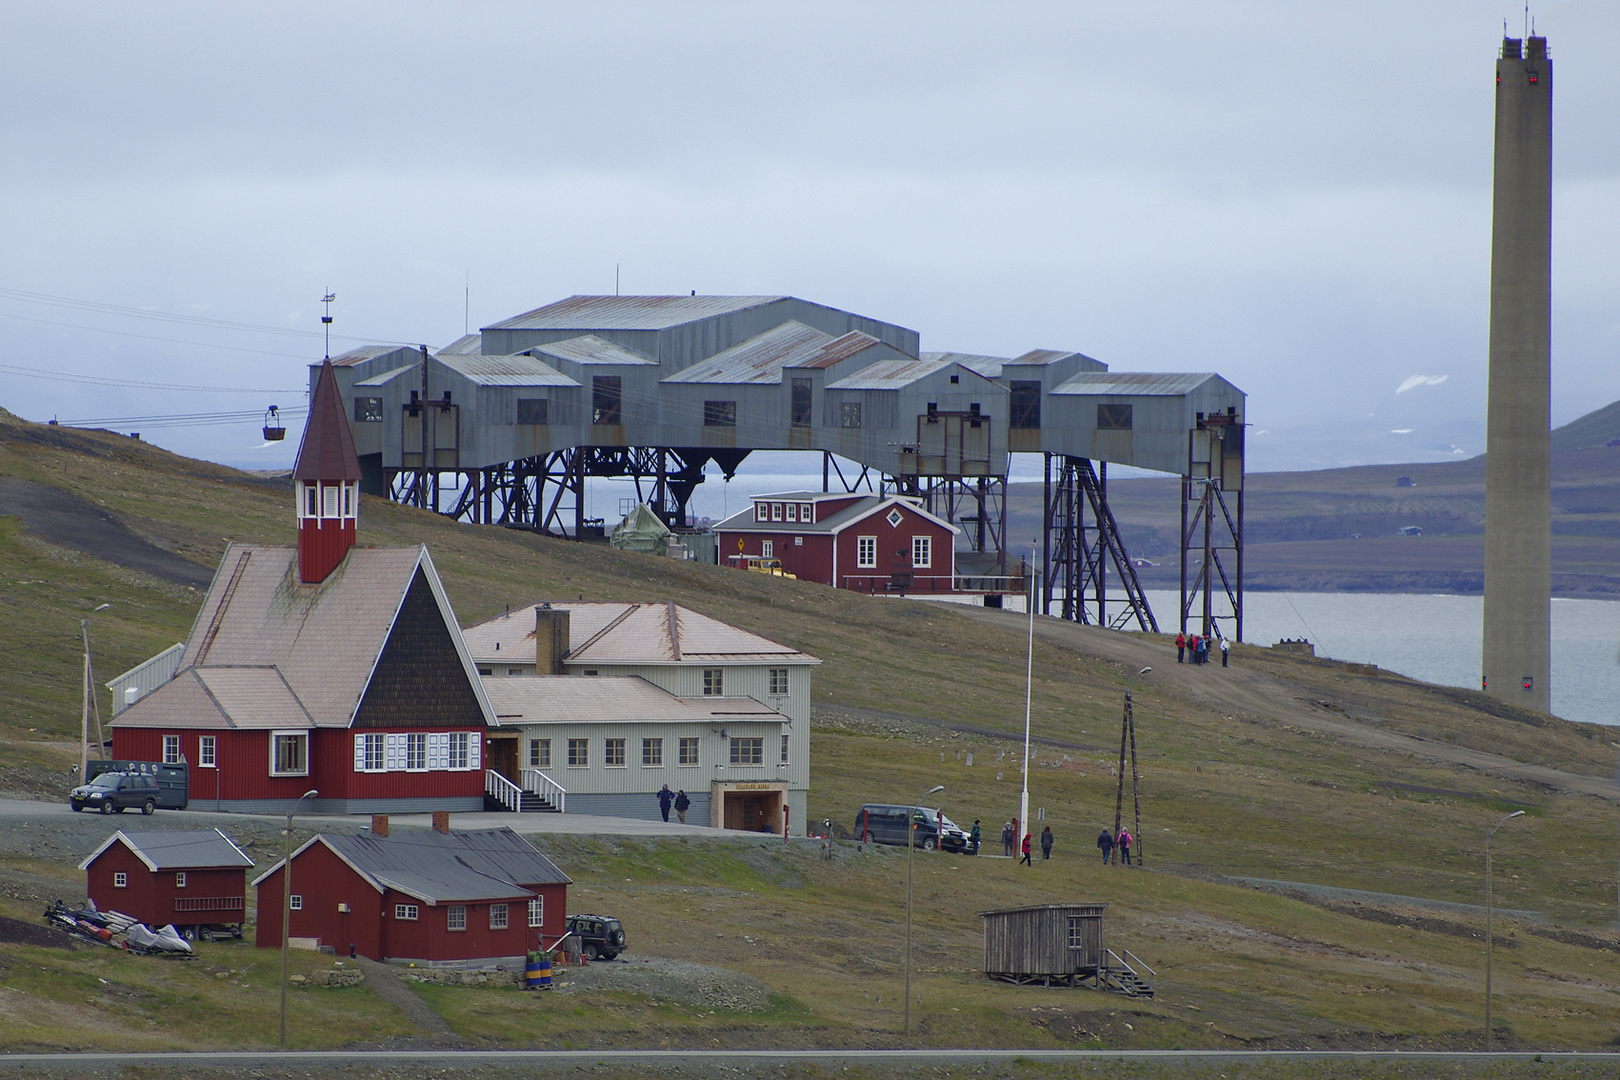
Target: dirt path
{"type": "Point", "coordinates": [64, 519]}
{"type": "Point", "coordinates": [1241, 690]}
{"type": "Point", "coordinates": [385, 982]}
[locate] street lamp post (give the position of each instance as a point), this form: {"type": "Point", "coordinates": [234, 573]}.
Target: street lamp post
{"type": "Point", "coordinates": [89, 698]}
{"type": "Point", "coordinates": [1499, 824]}
{"type": "Point", "coordinates": [286, 910]}
{"type": "Point", "coordinates": [911, 835]}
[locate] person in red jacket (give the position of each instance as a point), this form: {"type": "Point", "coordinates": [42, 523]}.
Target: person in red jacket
{"type": "Point", "coordinates": [1025, 860]}
{"type": "Point", "coordinates": [1181, 646]}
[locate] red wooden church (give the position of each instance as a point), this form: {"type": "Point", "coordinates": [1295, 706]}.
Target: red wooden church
{"type": "Point", "coordinates": [189, 878]}
{"type": "Point", "coordinates": [326, 666]}
{"type": "Point", "coordinates": [428, 897]}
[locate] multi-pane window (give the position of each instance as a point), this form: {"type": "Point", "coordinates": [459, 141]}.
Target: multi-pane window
{"type": "Point", "coordinates": [784, 749]}
{"type": "Point", "coordinates": [779, 681]}
{"type": "Point", "coordinates": [537, 912]}
{"type": "Point", "coordinates": [748, 751]}
{"type": "Point", "coordinates": [1024, 404]}
{"type": "Point", "coordinates": [1077, 933]}
{"type": "Point", "coordinates": [1113, 417]}
{"type": "Point", "coordinates": [689, 751]}
{"type": "Point", "coordinates": [714, 682]}
{"type": "Point", "coordinates": [776, 511]}
{"type": "Point", "coordinates": [368, 410]}
{"type": "Point", "coordinates": [531, 411]}
{"type": "Point", "coordinates": [372, 746]}
{"type": "Point", "coordinates": [497, 916]}
{"type": "Point", "coordinates": [120, 880]}
{"type": "Point", "coordinates": [652, 752]}
{"type": "Point", "coordinates": [793, 511]}
{"type": "Point", "coordinates": [799, 403]}
{"type": "Point", "coordinates": [613, 753]}
{"type": "Point", "coordinates": [805, 512]}
{"type": "Point", "coordinates": [171, 749]}
{"type": "Point", "coordinates": [579, 753]}
{"type": "Point", "coordinates": [455, 917]}
{"type": "Point", "coordinates": [719, 414]}
{"type": "Point", "coordinates": [296, 901]}
{"type": "Point", "coordinates": [922, 551]}
{"type": "Point", "coordinates": [605, 398]}
{"type": "Point", "coordinates": [407, 912]}
{"type": "Point", "coordinates": [289, 753]}
{"type": "Point", "coordinates": [767, 548]}
{"type": "Point", "coordinates": [540, 753]}
{"type": "Point", "coordinates": [762, 511]}
{"type": "Point", "coordinates": [416, 751]}
{"type": "Point", "coordinates": [865, 552]}
{"type": "Point", "coordinates": [206, 752]}
{"type": "Point", "coordinates": [849, 416]}
{"type": "Point", "coordinates": [459, 754]}
{"type": "Point", "coordinates": [180, 880]}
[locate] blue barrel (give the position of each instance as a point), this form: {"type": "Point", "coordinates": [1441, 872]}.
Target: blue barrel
{"type": "Point", "coordinates": [537, 974]}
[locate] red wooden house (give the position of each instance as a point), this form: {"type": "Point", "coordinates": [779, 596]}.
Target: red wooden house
{"type": "Point", "coordinates": [869, 543]}
{"type": "Point", "coordinates": [191, 878]}
{"type": "Point", "coordinates": [324, 667]}
{"type": "Point", "coordinates": [428, 897]}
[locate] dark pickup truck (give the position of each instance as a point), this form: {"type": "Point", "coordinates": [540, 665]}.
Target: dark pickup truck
{"type": "Point", "coordinates": [117, 791]}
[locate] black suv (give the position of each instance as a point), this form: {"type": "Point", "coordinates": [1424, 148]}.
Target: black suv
{"type": "Point", "coordinates": [116, 791]}
{"type": "Point", "coordinates": [882, 823]}
{"type": "Point", "coordinates": [601, 936]}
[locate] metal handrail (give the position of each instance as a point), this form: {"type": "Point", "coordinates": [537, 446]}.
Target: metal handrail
{"type": "Point", "coordinates": [1123, 963]}
{"type": "Point", "coordinates": [503, 790]}
{"type": "Point", "coordinates": [538, 782]}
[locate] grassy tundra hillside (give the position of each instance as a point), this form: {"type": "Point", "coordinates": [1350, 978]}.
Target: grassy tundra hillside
{"type": "Point", "coordinates": [1361, 799]}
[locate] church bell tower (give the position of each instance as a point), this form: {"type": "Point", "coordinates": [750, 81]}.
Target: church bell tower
{"type": "Point", "coordinates": [326, 483]}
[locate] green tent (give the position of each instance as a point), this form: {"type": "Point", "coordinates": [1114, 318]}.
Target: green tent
{"type": "Point", "coordinates": [641, 531]}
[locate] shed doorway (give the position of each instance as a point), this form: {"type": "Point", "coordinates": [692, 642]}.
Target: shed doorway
{"type": "Point", "coordinates": [748, 807]}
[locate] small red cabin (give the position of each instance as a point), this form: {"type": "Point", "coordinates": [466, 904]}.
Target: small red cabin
{"type": "Point", "coordinates": [190, 878]}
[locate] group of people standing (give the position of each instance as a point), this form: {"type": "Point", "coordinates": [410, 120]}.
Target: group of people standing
{"type": "Point", "coordinates": [680, 800]}
{"type": "Point", "coordinates": [1009, 837]}
{"type": "Point", "coordinates": [1198, 646]}
{"type": "Point", "coordinates": [1109, 843]}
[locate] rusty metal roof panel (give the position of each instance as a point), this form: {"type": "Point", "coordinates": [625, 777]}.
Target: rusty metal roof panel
{"type": "Point", "coordinates": [988, 366]}
{"type": "Point", "coordinates": [590, 349]}
{"type": "Point", "coordinates": [629, 312]}
{"type": "Point", "coordinates": [1140, 384]}
{"type": "Point", "coordinates": [607, 633]}
{"type": "Point", "coordinates": [851, 344]}
{"type": "Point", "coordinates": [889, 374]}
{"type": "Point", "coordinates": [388, 376]}
{"type": "Point", "coordinates": [761, 358]}
{"type": "Point", "coordinates": [465, 345]}
{"type": "Point", "coordinates": [517, 370]}
{"type": "Point", "coordinates": [364, 353]}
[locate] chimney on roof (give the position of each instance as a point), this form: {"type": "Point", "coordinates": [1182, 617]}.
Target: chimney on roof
{"type": "Point", "coordinates": [379, 824]}
{"type": "Point", "coordinates": [326, 483]}
{"type": "Point", "coordinates": [441, 821]}
{"type": "Point", "coordinates": [550, 639]}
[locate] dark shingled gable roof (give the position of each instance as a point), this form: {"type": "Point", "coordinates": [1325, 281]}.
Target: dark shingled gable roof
{"type": "Point", "coordinates": [327, 449]}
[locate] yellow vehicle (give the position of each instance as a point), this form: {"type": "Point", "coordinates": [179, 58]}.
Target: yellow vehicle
{"type": "Point", "coordinates": [759, 564]}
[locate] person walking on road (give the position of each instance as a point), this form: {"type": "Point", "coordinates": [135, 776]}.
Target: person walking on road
{"type": "Point", "coordinates": [1007, 836]}
{"type": "Point", "coordinates": [1046, 842]}
{"type": "Point", "coordinates": [1181, 646]}
{"type": "Point", "coordinates": [1224, 649]}
{"type": "Point", "coordinates": [1124, 845]}
{"type": "Point", "coordinates": [665, 798]}
{"type": "Point", "coordinates": [1025, 860]}
{"type": "Point", "coordinates": [973, 837]}
{"type": "Point", "coordinates": [683, 802]}
{"type": "Point", "coordinates": [1105, 841]}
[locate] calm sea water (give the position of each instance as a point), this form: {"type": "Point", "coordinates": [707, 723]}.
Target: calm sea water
{"type": "Point", "coordinates": [1437, 639]}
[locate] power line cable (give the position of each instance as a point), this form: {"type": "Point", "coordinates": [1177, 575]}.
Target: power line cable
{"type": "Point", "coordinates": [102, 380]}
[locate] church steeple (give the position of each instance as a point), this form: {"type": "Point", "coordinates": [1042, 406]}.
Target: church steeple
{"type": "Point", "coordinates": [326, 483]}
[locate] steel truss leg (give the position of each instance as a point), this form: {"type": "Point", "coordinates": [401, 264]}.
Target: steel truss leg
{"type": "Point", "coordinates": [1078, 553]}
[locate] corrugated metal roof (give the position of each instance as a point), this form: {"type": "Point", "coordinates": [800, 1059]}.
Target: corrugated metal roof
{"type": "Point", "coordinates": [601, 633]}
{"type": "Point", "coordinates": [1140, 384]}
{"type": "Point", "coordinates": [253, 697]}
{"type": "Point", "coordinates": [629, 312]}
{"type": "Point", "coordinates": [590, 349]}
{"type": "Point", "coordinates": [988, 366]}
{"type": "Point", "coordinates": [388, 376]}
{"type": "Point", "coordinates": [182, 849]}
{"type": "Point", "coordinates": [573, 699]}
{"type": "Point", "coordinates": [465, 345]}
{"type": "Point", "coordinates": [326, 451]}
{"type": "Point", "coordinates": [435, 867]}
{"type": "Point", "coordinates": [362, 354]}
{"type": "Point", "coordinates": [889, 374]}
{"type": "Point", "coordinates": [851, 344]}
{"type": "Point", "coordinates": [517, 370]}
{"type": "Point", "coordinates": [761, 358]}
{"type": "Point", "coordinates": [743, 520]}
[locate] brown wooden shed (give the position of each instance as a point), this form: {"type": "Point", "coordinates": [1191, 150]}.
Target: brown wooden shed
{"type": "Point", "coordinates": [1044, 943]}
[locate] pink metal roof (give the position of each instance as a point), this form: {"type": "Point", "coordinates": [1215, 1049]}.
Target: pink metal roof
{"type": "Point", "coordinates": [603, 633]}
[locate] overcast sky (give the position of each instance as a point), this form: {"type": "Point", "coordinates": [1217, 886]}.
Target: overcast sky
{"type": "Point", "coordinates": [1294, 195]}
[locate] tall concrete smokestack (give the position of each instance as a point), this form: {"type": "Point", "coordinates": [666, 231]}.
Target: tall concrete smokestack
{"type": "Point", "coordinates": [1516, 658]}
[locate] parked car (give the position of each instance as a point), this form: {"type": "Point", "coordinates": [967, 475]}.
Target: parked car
{"type": "Point", "coordinates": [882, 823]}
{"type": "Point", "coordinates": [601, 936]}
{"type": "Point", "coordinates": [116, 791]}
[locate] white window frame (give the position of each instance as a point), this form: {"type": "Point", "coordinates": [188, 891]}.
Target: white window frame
{"type": "Point", "coordinates": [690, 754]}
{"type": "Point", "coordinates": [312, 499]}
{"type": "Point", "coordinates": [171, 749]}
{"type": "Point", "coordinates": [537, 912]}
{"type": "Point", "coordinates": [779, 682]}
{"type": "Point", "coordinates": [652, 753]}
{"type": "Point", "coordinates": [714, 682]}
{"type": "Point", "coordinates": [614, 748]}
{"type": "Point", "coordinates": [866, 553]}
{"type": "Point", "coordinates": [275, 760]}
{"type": "Point", "coordinates": [767, 549]}
{"type": "Point", "coordinates": [459, 753]}
{"type": "Point", "coordinates": [776, 511]}
{"type": "Point", "coordinates": [579, 753]}
{"type": "Point", "coordinates": [416, 751]}
{"type": "Point", "coordinates": [207, 752]}
{"type": "Point", "coordinates": [762, 511]}
{"type": "Point", "coordinates": [331, 496]}
{"type": "Point", "coordinates": [785, 738]}
{"type": "Point", "coordinates": [370, 752]}
{"type": "Point", "coordinates": [793, 511]}
{"type": "Point", "coordinates": [807, 512]}
{"type": "Point", "coordinates": [922, 546]}
{"type": "Point", "coordinates": [180, 879]}
{"type": "Point", "coordinates": [407, 912]}
{"type": "Point", "coordinates": [120, 879]}
{"type": "Point", "coordinates": [296, 902]}
{"type": "Point", "coordinates": [455, 918]}
{"type": "Point", "coordinates": [499, 919]}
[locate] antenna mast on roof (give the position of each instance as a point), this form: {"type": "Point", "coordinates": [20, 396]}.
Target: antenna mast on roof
{"type": "Point", "coordinates": [326, 321]}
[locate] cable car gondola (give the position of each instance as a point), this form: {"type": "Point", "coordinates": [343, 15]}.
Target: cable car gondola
{"type": "Point", "coordinates": [273, 431]}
